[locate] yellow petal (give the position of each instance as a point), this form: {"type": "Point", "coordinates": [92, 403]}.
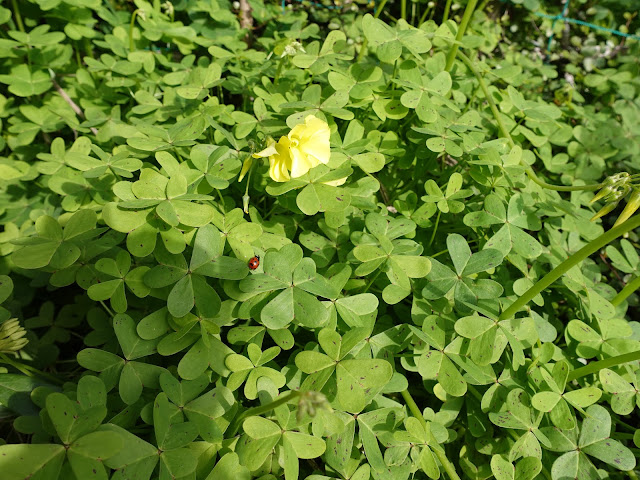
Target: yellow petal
{"type": "Point", "coordinates": [314, 140]}
{"type": "Point", "coordinates": [300, 163]}
{"type": "Point", "coordinates": [267, 152]}
{"type": "Point", "coordinates": [280, 162]}
{"type": "Point", "coordinates": [245, 168]}
{"type": "Point", "coordinates": [278, 170]}
{"type": "Point", "coordinates": [309, 145]}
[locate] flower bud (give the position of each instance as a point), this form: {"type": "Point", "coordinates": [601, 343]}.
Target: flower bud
{"type": "Point", "coordinates": [633, 203]}
{"type": "Point", "coordinates": [604, 210]}
{"type": "Point", "coordinates": [604, 192]}
{"type": "Point", "coordinates": [11, 336]}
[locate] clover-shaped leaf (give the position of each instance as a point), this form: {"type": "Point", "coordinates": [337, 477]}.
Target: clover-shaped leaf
{"type": "Point", "coordinates": [357, 380]}
{"type": "Point", "coordinates": [511, 236]}
{"type": "Point", "coordinates": [294, 277]}
{"type": "Point", "coordinates": [450, 199]}
{"type": "Point", "coordinates": [556, 400]}
{"type": "Point", "coordinates": [54, 246]}
{"type": "Point", "coordinates": [442, 280]}
{"type": "Point", "coordinates": [625, 396]}
{"type": "Point", "coordinates": [250, 370]}
{"type": "Point", "coordinates": [262, 435]}
{"type": "Point", "coordinates": [190, 286]}
{"type": "Point", "coordinates": [594, 441]}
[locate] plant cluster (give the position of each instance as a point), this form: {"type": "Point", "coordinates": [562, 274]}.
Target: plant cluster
{"type": "Point", "coordinates": [313, 245]}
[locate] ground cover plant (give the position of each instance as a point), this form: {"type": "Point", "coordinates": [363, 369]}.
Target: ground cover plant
{"type": "Point", "coordinates": [320, 243]}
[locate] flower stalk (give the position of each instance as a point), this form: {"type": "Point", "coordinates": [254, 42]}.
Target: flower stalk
{"type": "Point", "coordinates": [16, 14]}
{"type": "Point", "coordinates": [595, 367]}
{"type": "Point", "coordinates": [435, 446]}
{"type": "Point", "coordinates": [505, 133]}
{"type": "Point", "coordinates": [462, 28]}
{"type": "Point", "coordinates": [569, 263]}
{"type": "Point", "coordinates": [251, 412]}
{"type": "Point", "coordinates": [135, 13]}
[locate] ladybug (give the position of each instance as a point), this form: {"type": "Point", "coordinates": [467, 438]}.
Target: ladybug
{"type": "Point", "coordinates": [254, 262]}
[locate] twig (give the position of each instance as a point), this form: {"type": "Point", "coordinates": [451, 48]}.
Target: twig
{"type": "Point", "coordinates": [613, 270]}
{"type": "Point", "coordinates": [68, 99]}
{"type": "Point", "coordinates": [246, 18]}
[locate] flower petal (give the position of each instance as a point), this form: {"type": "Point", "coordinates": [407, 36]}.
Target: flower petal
{"type": "Point", "coordinates": [245, 168]}
{"type": "Point", "coordinates": [268, 151]}
{"type": "Point", "coordinates": [300, 162]}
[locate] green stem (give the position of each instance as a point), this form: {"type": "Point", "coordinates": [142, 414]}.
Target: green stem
{"type": "Point", "coordinates": [363, 48]}
{"type": "Point", "coordinates": [433, 443]}
{"type": "Point", "coordinates": [505, 133]}
{"type": "Point", "coordinates": [447, 8]}
{"type": "Point", "coordinates": [252, 412]}
{"type": "Point", "coordinates": [595, 367]}
{"type": "Point", "coordinates": [221, 199]}
{"type": "Point", "coordinates": [245, 198]}
{"type": "Point", "coordinates": [517, 124]}
{"type": "Point", "coordinates": [18, 366]}
{"type": "Point", "coordinates": [393, 77]}
{"type": "Point", "coordinates": [435, 229]}
{"type": "Point", "coordinates": [569, 263]}
{"type": "Point", "coordinates": [278, 71]}
{"type": "Point", "coordinates": [492, 105]}
{"type": "Point", "coordinates": [423, 17]}
{"type": "Point", "coordinates": [111, 314]}
{"type": "Point", "coordinates": [464, 23]}
{"type": "Point", "coordinates": [483, 5]}
{"type": "Point", "coordinates": [16, 14]}
{"type": "Point", "coordinates": [403, 9]}
{"type": "Point", "coordinates": [629, 288]}
{"type": "Point", "coordinates": [29, 370]}
{"type": "Point", "coordinates": [560, 188]}
{"type": "Point", "coordinates": [131, 25]}
{"type": "Point", "coordinates": [373, 279]}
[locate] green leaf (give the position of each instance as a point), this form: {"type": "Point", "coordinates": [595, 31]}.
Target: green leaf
{"type": "Point", "coordinates": [358, 381]}
{"type": "Point", "coordinates": [36, 461]}
{"type": "Point", "coordinates": [370, 162]}
{"type": "Point", "coordinates": [97, 445]}
{"type": "Point", "coordinates": [305, 446]}
{"type": "Point", "coordinates": [612, 453]}
{"type": "Point", "coordinates": [316, 198]}
{"type": "Point", "coordinates": [132, 345]}
{"type": "Point", "coordinates": [181, 299]}
{"type": "Point", "coordinates": [311, 362]}
{"type": "Point", "coordinates": [624, 395]}
{"type": "Point", "coordinates": [596, 426]}
{"type": "Point", "coordinates": [229, 468]}
{"type": "Point", "coordinates": [258, 427]}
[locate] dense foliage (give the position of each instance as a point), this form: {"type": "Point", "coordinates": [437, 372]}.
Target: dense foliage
{"type": "Point", "coordinates": [240, 243]}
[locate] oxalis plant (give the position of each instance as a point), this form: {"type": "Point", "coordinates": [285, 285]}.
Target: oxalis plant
{"type": "Point", "coordinates": [245, 244]}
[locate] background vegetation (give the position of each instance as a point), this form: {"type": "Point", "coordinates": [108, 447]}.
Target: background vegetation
{"type": "Point", "coordinates": [462, 306]}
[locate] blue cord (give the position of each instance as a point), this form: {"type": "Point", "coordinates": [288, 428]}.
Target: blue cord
{"type": "Point", "coordinates": [587, 24]}
{"type": "Point", "coordinates": [555, 18]}
{"type": "Point", "coordinates": [564, 18]}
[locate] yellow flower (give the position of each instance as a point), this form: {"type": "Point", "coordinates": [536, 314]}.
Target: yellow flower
{"type": "Point", "coordinates": [306, 146]}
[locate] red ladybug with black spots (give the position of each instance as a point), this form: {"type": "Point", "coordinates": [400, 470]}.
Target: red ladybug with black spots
{"type": "Point", "coordinates": [254, 262]}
